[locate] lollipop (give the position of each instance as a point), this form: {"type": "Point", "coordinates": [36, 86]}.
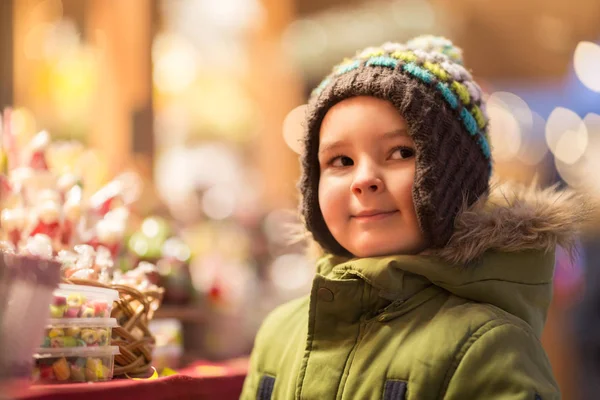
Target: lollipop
{"type": "Point", "coordinates": [109, 234]}
{"type": "Point", "coordinates": [38, 145]}
{"type": "Point", "coordinates": [13, 222]}
{"type": "Point", "coordinates": [48, 215]}
{"type": "Point", "coordinates": [72, 214]}
{"type": "Point", "coordinates": [107, 198]}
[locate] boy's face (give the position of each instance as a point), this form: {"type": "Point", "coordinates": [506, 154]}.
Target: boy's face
{"type": "Point", "coordinates": [367, 162]}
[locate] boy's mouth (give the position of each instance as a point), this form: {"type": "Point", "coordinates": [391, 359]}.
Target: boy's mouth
{"type": "Point", "coordinates": [373, 215]}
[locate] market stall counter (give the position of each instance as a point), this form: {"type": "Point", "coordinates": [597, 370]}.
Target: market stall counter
{"type": "Point", "coordinates": [200, 380]}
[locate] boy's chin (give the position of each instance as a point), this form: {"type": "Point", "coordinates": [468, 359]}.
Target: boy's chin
{"type": "Point", "coordinates": [374, 249]}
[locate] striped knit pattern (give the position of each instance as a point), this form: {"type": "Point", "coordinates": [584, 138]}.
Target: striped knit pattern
{"type": "Point", "coordinates": [427, 83]}
{"type": "Point", "coordinates": [430, 68]}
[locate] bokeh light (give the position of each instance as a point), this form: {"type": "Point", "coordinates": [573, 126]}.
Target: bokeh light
{"type": "Point", "coordinates": [278, 226]}
{"type": "Point", "coordinates": [533, 145]}
{"type": "Point", "coordinates": [566, 135]}
{"type": "Point", "coordinates": [304, 38]}
{"type": "Point", "coordinates": [291, 272]}
{"type": "Point", "coordinates": [175, 63]}
{"type": "Point", "coordinates": [218, 202]}
{"type": "Point", "coordinates": [587, 64]}
{"type": "Point", "coordinates": [510, 121]}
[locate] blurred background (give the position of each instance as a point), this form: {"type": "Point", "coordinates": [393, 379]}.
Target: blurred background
{"type": "Point", "coordinates": [200, 98]}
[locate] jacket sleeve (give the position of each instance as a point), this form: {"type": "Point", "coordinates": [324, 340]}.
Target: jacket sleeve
{"type": "Point", "coordinates": [503, 362]}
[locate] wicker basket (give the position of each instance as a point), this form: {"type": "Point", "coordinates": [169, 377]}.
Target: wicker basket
{"type": "Point", "coordinates": [133, 311]}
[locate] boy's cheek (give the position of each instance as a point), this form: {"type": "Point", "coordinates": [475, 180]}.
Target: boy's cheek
{"type": "Point", "coordinates": [333, 202]}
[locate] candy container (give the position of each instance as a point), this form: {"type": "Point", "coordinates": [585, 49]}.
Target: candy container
{"type": "Point", "coordinates": [83, 302]}
{"type": "Point", "coordinates": [27, 290]}
{"type": "Point", "coordinates": [78, 332]}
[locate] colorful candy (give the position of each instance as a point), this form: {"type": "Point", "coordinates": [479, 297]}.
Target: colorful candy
{"type": "Point", "coordinates": [78, 337]}
{"type": "Point", "coordinates": [77, 374]}
{"type": "Point", "coordinates": [78, 304]}
{"type": "Point", "coordinates": [87, 312]}
{"type": "Point", "coordinates": [73, 331]}
{"type": "Point", "coordinates": [73, 368]}
{"type": "Point", "coordinates": [102, 337]}
{"type": "Point", "coordinates": [93, 369]}
{"type": "Point", "coordinates": [72, 312]}
{"type": "Point", "coordinates": [57, 311]}
{"type": "Point", "coordinates": [56, 332]}
{"type": "Point", "coordinates": [61, 369]}
{"type": "Point", "coordinates": [75, 300]}
{"type": "Point", "coordinates": [89, 336]}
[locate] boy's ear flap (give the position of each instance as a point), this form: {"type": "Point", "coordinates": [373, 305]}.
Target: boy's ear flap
{"type": "Point", "coordinates": [293, 129]}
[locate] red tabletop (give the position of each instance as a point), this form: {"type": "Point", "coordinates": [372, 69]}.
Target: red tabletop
{"type": "Point", "coordinates": [200, 380]}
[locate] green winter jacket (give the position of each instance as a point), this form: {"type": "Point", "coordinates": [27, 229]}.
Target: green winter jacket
{"type": "Point", "coordinates": [462, 323]}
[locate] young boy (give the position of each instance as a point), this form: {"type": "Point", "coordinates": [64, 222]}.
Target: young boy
{"type": "Point", "coordinates": [431, 287]}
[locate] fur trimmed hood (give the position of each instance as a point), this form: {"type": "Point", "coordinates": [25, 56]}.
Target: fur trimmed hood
{"type": "Point", "coordinates": [501, 253]}
{"type": "Point", "coordinates": [515, 218]}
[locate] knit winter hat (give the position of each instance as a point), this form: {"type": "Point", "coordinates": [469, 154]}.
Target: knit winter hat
{"type": "Point", "coordinates": [426, 81]}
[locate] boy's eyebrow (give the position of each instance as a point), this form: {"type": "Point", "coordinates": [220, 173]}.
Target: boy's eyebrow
{"type": "Point", "coordinates": [395, 133]}
{"type": "Point", "coordinates": [327, 147]}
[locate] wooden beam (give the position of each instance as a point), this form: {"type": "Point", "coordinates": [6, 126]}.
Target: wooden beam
{"type": "Point", "coordinates": [123, 32]}
{"type": "Point", "coordinates": [276, 90]}
{"type": "Point", "coordinates": [6, 53]}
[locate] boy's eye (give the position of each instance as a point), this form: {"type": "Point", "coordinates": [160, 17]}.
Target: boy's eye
{"type": "Point", "coordinates": [401, 153]}
{"type": "Point", "coordinates": [342, 161]}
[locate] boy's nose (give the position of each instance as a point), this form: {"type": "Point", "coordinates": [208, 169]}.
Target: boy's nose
{"type": "Point", "coordinates": [366, 182]}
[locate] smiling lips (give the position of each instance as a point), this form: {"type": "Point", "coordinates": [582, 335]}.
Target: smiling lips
{"type": "Point", "coordinates": [373, 215]}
